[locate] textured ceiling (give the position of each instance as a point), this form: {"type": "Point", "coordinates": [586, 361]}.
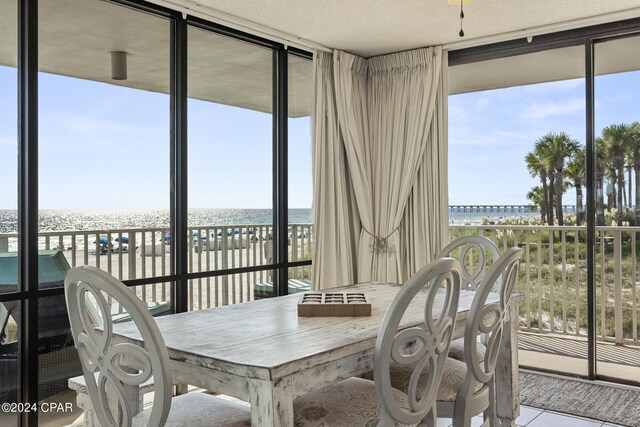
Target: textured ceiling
{"type": "Point", "coordinates": [76, 37]}
{"type": "Point", "coordinates": [373, 27]}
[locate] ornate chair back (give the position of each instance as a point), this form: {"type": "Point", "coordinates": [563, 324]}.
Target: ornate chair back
{"type": "Point", "coordinates": [464, 249]}
{"type": "Point", "coordinates": [111, 370]}
{"type": "Point", "coordinates": [424, 345]}
{"type": "Point", "coordinates": [488, 319]}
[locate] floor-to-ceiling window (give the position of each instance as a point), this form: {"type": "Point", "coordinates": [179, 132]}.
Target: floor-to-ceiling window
{"type": "Point", "coordinates": [525, 109]}
{"type": "Point", "coordinates": [9, 305]}
{"type": "Point", "coordinates": [230, 167]}
{"type": "Point", "coordinates": [513, 141]}
{"type": "Point", "coordinates": [300, 231]}
{"type": "Point", "coordinates": [103, 151]}
{"type": "Point", "coordinates": [108, 170]}
{"type": "Point", "coordinates": [617, 132]}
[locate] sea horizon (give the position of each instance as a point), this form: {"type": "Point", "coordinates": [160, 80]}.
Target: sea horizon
{"type": "Point", "coordinates": [115, 219]}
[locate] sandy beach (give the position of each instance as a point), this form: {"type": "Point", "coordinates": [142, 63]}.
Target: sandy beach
{"type": "Point", "coordinates": [205, 292]}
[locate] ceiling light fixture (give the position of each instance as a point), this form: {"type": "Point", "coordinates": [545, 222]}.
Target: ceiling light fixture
{"type": "Point", "coordinates": [119, 65]}
{"type": "Point", "coordinates": [462, 2]}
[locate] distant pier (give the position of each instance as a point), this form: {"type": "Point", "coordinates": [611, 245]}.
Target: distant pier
{"type": "Point", "coordinates": [506, 209]}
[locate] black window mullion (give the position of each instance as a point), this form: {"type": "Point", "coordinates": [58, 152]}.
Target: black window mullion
{"type": "Point", "coordinates": [591, 212]}
{"type": "Point", "coordinates": [280, 169]}
{"type": "Point", "coordinates": [179, 164]}
{"type": "Point", "coordinates": [28, 205]}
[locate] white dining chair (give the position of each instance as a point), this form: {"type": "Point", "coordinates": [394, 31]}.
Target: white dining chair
{"type": "Point", "coordinates": [476, 254]}
{"type": "Point", "coordinates": [468, 388]}
{"type": "Point", "coordinates": [114, 370]}
{"type": "Point", "coordinates": [359, 402]}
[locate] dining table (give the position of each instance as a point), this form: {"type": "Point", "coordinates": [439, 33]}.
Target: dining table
{"type": "Point", "coordinates": [263, 353]}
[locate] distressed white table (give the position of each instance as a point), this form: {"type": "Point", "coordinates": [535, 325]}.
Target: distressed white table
{"type": "Point", "coordinates": [263, 353]}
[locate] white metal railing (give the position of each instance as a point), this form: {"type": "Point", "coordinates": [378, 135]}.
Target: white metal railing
{"type": "Point", "coordinates": [552, 273]}
{"type": "Point", "coordinates": [137, 253]}
{"type": "Point", "coordinates": [553, 277]}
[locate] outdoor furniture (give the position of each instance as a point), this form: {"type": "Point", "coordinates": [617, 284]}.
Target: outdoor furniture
{"type": "Point", "coordinates": [357, 402]}
{"type": "Point", "coordinates": [469, 388]}
{"type": "Point", "coordinates": [58, 359]}
{"type": "Point", "coordinates": [123, 368]}
{"type": "Point", "coordinates": [263, 353]}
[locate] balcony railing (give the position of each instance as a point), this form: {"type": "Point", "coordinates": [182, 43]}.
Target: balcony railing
{"type": "Point", "coordinates": [144, 253]}
{"type": "Point", "coordinates": [552, 274]}
{"type": "Point", "coordinates": [553, 277]}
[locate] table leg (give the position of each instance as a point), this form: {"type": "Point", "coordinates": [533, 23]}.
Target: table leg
{"type": "Point", "coordinates": [271, 403]}
{"type": "Point", "coordinates": [507, 386]}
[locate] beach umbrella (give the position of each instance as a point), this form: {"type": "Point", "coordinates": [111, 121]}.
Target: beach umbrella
{"type": "Point", "coordinates": [103, 240]}
{"type": "Point", "coordinates": [125, 239]}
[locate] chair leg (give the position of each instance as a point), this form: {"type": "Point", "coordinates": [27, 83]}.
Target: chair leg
{"type": "Point", "coordinates": [490, 413]}
{"type": "Point", "coordinates": [430, 420]}
{"type": "Point", "coordinates": [462, 417]}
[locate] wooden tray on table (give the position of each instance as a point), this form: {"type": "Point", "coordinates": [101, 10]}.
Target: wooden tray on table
{"type": "Point", "coordinates": [334, 304]}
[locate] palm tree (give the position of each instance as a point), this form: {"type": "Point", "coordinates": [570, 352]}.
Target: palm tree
{"type": "Point", "coordinates": [616, 140]}
{"type": "Point", "coordinates": [634, 153]}
{"type": "Point", "coordinates": [556, 148]}
{"type": "Point", "coordinates": [546, 163]}
{"type": "Point", "coordinates": [575, 173]}
{"type": "Point", "coordinates": [536, 195]}
{"type": "Point", "coordinates": [536, 167]}
{"type": "Point", "coordinates": [601, 167]}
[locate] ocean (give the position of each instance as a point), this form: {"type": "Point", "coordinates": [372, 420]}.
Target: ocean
{"type": "Point", "coordinates": [65, 220]}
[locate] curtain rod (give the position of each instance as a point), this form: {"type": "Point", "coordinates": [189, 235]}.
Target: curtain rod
{"type": "Point", "coordinates": [187, 7]}
{"type": "Point", "coordinates": [546, 29]}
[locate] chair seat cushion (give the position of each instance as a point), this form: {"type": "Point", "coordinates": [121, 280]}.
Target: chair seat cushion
{"type": "Point", "coordinates": [79, 385]}
{"type": "Point", "coordinates": [201, 410]}
{"type": "Point", "coordinates": [453, 378]}
{"type": "Point", "coordinates": [349, 403]}
{"type": "Point", "coordinates": [456, 351]}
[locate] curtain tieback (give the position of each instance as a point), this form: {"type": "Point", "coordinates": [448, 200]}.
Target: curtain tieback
{"type": "Point", "coordinates": [380, 244]}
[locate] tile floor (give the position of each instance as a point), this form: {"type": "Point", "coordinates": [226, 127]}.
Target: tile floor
{"type": "Point", "coordinates": [534, 417]}
{"type": "Point", "coordinates": [529, 417]}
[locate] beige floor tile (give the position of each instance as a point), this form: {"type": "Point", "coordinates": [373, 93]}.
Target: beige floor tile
{"type": "Point", "coordinates": [527, 414]}
{"type": "Point", "coordinates": [550, 419]}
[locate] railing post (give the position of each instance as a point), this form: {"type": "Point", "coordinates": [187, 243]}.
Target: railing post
{"type": "Point", "coordinates": [225, 262]}
{"type": "Point", "coordinates": [132, 255]}
{"type": "Point", "coordinates": [4, 244]}
{"type": "Point", "coordinates": [617, 256]}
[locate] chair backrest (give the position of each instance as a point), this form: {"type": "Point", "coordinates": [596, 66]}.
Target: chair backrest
{"type": "Point", "coordinates": [112, 369]}
{"type": "Point", "coordinates": [473, 270]}
{"type": "Point", "coordinates": [488, 319]}
{"type": "Point", "coordinates": [426, 344]}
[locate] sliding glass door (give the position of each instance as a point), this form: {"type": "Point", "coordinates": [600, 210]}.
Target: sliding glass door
{"type": "Point", "coordinates": [516, 137]}
{"type": "Point", "coordinates": [617, 139]}
{"type": "Point", "coordinates": [557, 115]}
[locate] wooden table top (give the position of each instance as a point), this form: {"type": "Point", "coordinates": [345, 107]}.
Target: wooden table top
{"type": "Point", "coordinates": [266, 338]}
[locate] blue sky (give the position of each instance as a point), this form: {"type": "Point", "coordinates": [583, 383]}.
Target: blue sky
{"type": "Point", "coordinates": [104, 146]}
{"type": "Point", "coordinates": [490, 132]}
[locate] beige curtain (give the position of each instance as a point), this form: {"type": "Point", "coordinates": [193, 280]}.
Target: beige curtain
{"type": "Point", "coordinates": [395, 148]}
{"type": "Point", "coordinates": [333, 248]}
{"type": "Point", "coordinates": [401, 100]}
{"type": "Point", "coordinates": [424, 227]}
